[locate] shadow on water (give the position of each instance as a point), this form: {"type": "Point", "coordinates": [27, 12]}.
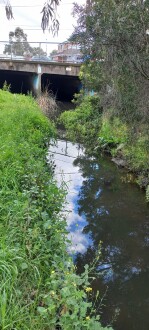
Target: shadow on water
{"type": "Point", "coordinates": [104, 208]}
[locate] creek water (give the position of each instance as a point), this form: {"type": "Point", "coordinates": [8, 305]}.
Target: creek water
{"type": "Point", "coordinates": [105, 207]}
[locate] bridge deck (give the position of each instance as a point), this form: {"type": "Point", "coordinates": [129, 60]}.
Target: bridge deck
{"type": "Point", "coordinates": [71, 69]}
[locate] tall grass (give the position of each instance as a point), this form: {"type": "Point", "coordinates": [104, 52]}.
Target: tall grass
{"type": "Point", "coordinates": [24, 131]}
{"type": "Point", "coordinates": [38, 286]}
{"type": "Point", "coordinates": [47, 103]}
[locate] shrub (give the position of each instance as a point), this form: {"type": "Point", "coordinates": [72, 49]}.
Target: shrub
{"type": "Point", "coordinates": [83, 123]}
{"type": "Point", "coordinates": [147, 193]}
{"type": "Point", "coordinates": [137, 152]}
{"type": "Point", "coordinates": [113, 131]}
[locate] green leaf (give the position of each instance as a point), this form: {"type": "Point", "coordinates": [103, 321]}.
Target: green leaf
{"type": "Point", "coordinates": [24, 266]}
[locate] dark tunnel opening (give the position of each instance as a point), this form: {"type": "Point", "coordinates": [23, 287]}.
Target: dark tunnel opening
{"type": "Point", "coordinates": [20, 82]}
{"type": "Point", "coordinates": [63, 87]}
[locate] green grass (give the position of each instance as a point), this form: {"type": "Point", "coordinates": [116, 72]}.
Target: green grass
{"type": "Point", "coordinates": [39, 288]}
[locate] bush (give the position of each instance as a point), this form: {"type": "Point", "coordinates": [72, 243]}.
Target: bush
{"type": "Point", "coordinates": [147, 193]}
{"type": "Point", "coordinates": [113, 131]}
{"type": "Point", "coordinates": [136, 152]}
{"type": "Point", "coordinates": [83, 123]}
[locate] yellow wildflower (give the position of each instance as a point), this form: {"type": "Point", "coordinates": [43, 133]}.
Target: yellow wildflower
{"type": "Point", "coordinates": [53, 272]}
{"type": "Point", "coordinates": [87, 318]}
{"type": "Point", "coordinates": [88, 289]}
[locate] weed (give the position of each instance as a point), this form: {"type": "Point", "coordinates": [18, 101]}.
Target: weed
{"type": "Point", "coordinates": [47, 103]}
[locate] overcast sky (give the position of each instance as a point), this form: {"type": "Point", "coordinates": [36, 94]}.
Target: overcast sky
{"type": "Point", "coordinates": [27, 15]}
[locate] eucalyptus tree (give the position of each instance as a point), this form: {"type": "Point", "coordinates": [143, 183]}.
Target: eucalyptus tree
{"type": "Point", "coordinates": [114, 37]}
{"type": "Point", "coordinates": [18, 44]}
{"type": "Point", "coordinates": [49, 14]}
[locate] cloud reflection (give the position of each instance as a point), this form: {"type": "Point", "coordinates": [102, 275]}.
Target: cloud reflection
{"type": "Point", "coordinates": [79, 242]}
{"type": "Point", "coordinates": [64, 154]}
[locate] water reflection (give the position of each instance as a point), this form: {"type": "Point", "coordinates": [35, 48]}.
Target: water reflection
{"type": "Point", "coordinates": [104, 208]}
{"type": "Point", "coordinates": [64, 155]}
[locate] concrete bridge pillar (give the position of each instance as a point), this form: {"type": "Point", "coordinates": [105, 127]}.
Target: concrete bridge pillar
{"type": "Point", "coordinates": [37, 81]}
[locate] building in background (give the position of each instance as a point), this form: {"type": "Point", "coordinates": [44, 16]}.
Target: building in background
{"type": "Point", "coordinates": [67, 52]}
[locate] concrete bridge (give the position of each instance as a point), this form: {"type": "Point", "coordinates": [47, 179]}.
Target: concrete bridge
{"type": "Point", "coordinates": [38, 74]}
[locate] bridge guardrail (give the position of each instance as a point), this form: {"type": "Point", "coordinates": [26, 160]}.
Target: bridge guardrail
{"type": "Point", "coordinates": [41, 51]}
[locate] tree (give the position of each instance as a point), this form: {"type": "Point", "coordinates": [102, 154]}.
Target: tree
{"type": "Point", "coordinates": [54, 52]}
{"type": "Point", "coordinates": [49, 15]}
{"type": "Point", "coordinates": [37, 51]}
{"type": "Point", "coordinates": [115, 36]}
{"type": "Point", "coordinates": [18, 44]}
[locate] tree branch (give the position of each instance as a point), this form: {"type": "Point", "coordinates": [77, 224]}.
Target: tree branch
{"type": "Point", "coordinates": [49, 15]}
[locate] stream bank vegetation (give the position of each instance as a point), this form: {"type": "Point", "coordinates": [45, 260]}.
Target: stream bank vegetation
{"type": "Point", "coordinates": [104, 132]}
{"type": "Point", "coordinates": [114, 40]}
{"type": "Point", "coordinates": [39, 287]}
{"type": "Point", "coordinates": [47, 103]}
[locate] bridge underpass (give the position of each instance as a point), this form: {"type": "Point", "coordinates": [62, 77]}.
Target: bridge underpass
{"type": "Point", "coordinates": [21, 82]}
{"type": "Point", "coordinates": [63, 87]}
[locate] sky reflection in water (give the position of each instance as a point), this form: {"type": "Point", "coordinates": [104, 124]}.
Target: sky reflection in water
{"type": "Point", "coordinates": [64, 155]}
{"type": "Point", "coordinates": [103, 207]}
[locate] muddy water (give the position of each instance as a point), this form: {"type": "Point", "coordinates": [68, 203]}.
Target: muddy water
{"type": "Point", "coordinates": [105, 207]}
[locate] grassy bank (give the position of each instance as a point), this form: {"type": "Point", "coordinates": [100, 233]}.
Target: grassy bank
{"type": "Point", "coordinates": [128, 144]}
{"type": "Point", "coordinates": [39, 288]}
